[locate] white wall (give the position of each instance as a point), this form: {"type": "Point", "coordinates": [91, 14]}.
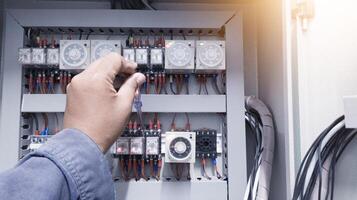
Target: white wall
{"type": "Point", "coordinates": [327, 66]}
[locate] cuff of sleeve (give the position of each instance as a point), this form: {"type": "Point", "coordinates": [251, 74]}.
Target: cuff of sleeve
{"type": "Point", "coordinates": [82, 162]}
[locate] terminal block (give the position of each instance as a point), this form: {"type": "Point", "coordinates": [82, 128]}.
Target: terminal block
{"type": "Point", "coordinates": [210, 56]}
{"type": "Point", "coordinates": [74, 54]}
{"type": "Point", "coordinates": [206, 143]}
{"type": "Point", "coordinates": [179, 56]}
{"type": "Point", "coordinates": [100, 48]}
{"type": "Point", "coordinates": [180, 147]}
{"type": "Point", "coordinates": [36, 141]}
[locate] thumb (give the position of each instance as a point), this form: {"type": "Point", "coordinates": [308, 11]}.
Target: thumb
{"type": "Point", "coordinates": [130, 86]}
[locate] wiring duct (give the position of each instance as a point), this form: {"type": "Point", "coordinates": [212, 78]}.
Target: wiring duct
{"type": "Point", "coordinates": [316, 176]}
{"type": "Point", "coordinates": [260, 120]}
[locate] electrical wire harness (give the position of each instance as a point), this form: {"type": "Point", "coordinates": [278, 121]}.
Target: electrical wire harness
{"type": "Point", "coordinates": [316, 176]}
{"type": "Point", "coordinates": [260, 120]}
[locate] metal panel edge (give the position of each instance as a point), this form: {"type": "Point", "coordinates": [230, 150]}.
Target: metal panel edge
{"type": "Point", "coordinates": [151, 103]}
{"type": "Point", "coordinates": [11, 94]}
{"type": "Point", "coordinates": [120, 18]}
{"type": "Point", "coordinates": [172, 190]}
{"type": "Point", "coordinates": [236, 138]}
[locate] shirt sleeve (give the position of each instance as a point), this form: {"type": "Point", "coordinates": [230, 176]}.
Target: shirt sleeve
{"type": "Point", "coordinates": [69, 166]}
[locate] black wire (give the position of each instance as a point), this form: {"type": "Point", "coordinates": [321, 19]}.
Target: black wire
{"type": "Point", "coordinates": [171, 88]}
{"type": "Point", "coordinates": [88, 35]}
{"type": "Point", "coordinates": [205, 86]}
{"type": "Point", "coordinates": [215, 85]}
{"type": "Point", "coordinates": [336, 144]}
{"type": "Point", "coordinates": [34, 117]}
{"type": "Point", "coordinates": [187, 80]}
{"type": "Point", "coordinates": [324, 154]}
{"type": "Point", "coordinates": [300, 178]}
{"type": "Point", "coordinates": [253, 122]}
{"type": "Point", "coordinates": [299, 182]}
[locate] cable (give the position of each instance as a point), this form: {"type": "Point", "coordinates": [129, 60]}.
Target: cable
{"type": "Point", "coordinates": [204, 173]}
{"type": "Point", "coordinates": [90, 32]}
{"type": "Point", "coordinates": [34, 117]}
{"type": "Point", "coordinates": [328, 147]}
{"type": "Point", "coordinates": [148, 5]}
{"type": "Point", "coordinates": [214, 84]}
{"type": "Point", "coordinates": [260, 121]}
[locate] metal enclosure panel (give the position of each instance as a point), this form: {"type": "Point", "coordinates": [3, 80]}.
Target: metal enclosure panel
{"type": "Point", "coordinates": [150, 19]}
{"type": "Point", "coordinates": [195, 190]}
{"type": "Point", "coordinates": [124, 18]}
{"type": "Point", "coordinates": [11, 94]}
{"type": "Point", "coordinates": [151, 103]}
{"type": "Point", "coordinates": [350, 110]}
{"type": "Point", "coordinates": [237, 169]}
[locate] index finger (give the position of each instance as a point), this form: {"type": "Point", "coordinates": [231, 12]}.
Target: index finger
{"type": "Point", "coordinates": [111, 65]}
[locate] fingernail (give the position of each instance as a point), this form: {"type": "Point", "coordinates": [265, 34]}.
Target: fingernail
{"type": "Point", "coordinates": [140, 78]}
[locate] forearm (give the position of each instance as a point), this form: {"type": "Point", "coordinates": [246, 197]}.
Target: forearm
{"type": "Point", "coordinates": [69, 166]}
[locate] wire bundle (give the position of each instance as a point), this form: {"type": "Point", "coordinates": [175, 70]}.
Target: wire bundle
{"type": "Point", "coordinates": [316, 175]}
{"type": "Point", "coordinates": [260, 121]}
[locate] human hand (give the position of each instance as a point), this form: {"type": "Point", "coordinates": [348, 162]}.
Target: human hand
{"type": "Point", "coordinates": [94, 106]}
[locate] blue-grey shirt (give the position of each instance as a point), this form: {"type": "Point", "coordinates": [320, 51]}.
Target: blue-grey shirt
{"type": "Point", "coordinates": [69, 166]}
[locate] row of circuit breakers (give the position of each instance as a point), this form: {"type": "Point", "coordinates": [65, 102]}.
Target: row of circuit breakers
{"type": "Point", "coordinates": [177, 56]}
{"type": "Point", "coordinates": [178, 147]}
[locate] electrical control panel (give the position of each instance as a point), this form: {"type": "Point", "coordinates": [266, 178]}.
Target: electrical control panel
{"type": "Point", "coordinates": [100, 48]}
{"type": "Point", "coordinates": [182, 140]}
{"type": "Point", "coordinates": [74, 54]}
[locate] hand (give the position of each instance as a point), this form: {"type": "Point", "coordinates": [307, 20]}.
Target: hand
{"type": "Point", "coordinates": [95, 107]}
